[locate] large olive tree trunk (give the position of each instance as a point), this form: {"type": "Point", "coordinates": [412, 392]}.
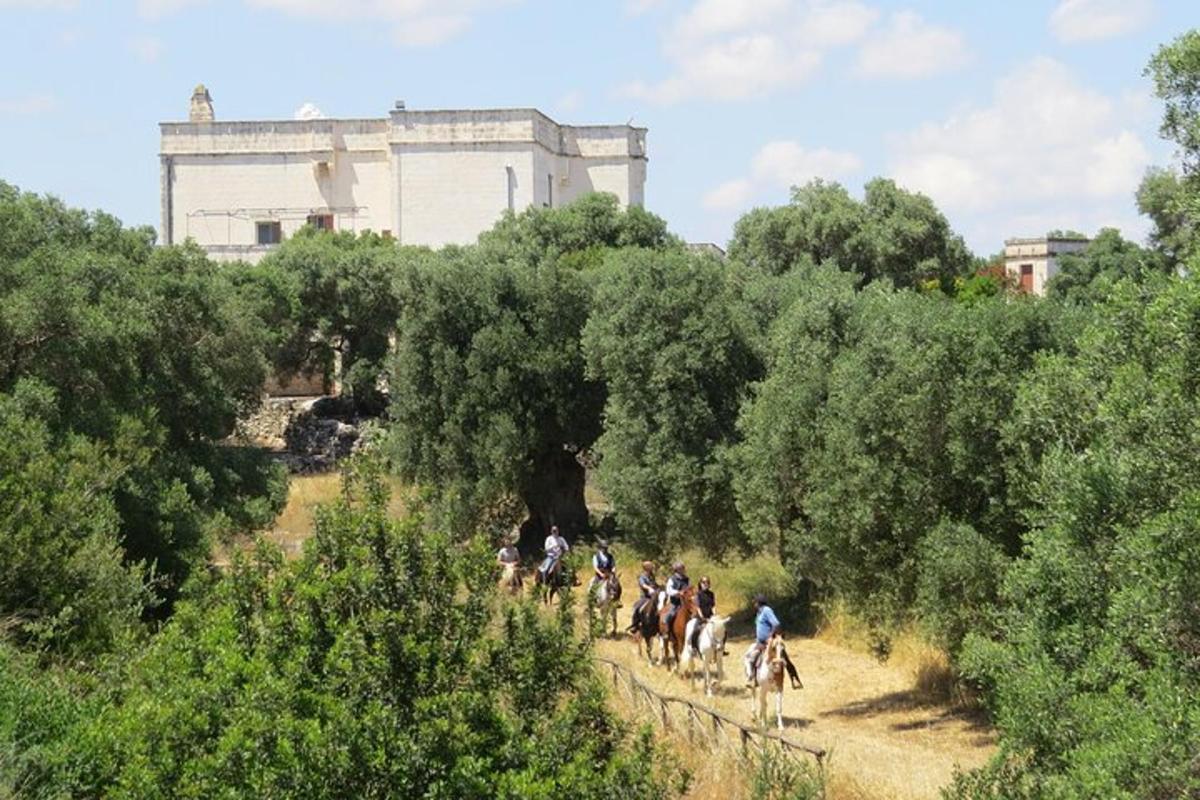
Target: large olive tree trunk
{"type": "Point", "coordinates": [553, 495]}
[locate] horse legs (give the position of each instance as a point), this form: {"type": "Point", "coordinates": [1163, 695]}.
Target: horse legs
{"type": "Point", "coordinates": [779, 706]}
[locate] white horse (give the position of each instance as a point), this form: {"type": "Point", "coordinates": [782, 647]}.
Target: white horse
{"type": "Point", "coordinates": [510, 578]}
{"type": "Point", "coordinates": [710, 655]}
{"type": "Point", "coordinates": [771, 666]}
{"type": "Point", "coordinates": [607, 599]}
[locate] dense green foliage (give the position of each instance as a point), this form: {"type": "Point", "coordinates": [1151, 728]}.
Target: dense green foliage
{"type": "Point", "coordinates": [1171, 200]}
{"type": "Point", "coordinates": [378, 665]}
{"type": "Point", "coordinates": [850, 391]}
{"type": "Point", "coordinates": [1098, 618]}
{"type": "Point", "coordinates": [489, 392]}
{"type": "Point", "coordinates": [881, 415]}
{"type": "Point", "coordinates": [329, 306]}
{"type": "Point", "coordinates": [891, 234]}
{"type": "Point", "coordinates": [1089, 276]}
{"type": "Point", "coordinates": [669, 339]}
{"type": "Point", "coordinates": [63, 578]}
{"type": "Point", "coordinates": [122, 366]}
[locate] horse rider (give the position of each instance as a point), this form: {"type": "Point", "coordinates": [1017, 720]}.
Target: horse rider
{"type": "Point", "coordinates": [766, 625]}
{"type": "Point", "coordinates": [706, 604]}
{"type": "Point", "coordinates": [556, 547]}
{"type": "Point", "coordinates": [647, 591]}
{"type": "Point", "coordinates": [603, 564]}
{"type": "Point", "coordinates": [508, 553]}
{"type": "Point", "coordinates": [675, 586]}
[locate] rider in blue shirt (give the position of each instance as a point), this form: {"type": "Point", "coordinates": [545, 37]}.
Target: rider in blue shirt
{"type": "Point", "coordinates": [603, 564]}
{"type": "Point", "coordinates": [766, 625]}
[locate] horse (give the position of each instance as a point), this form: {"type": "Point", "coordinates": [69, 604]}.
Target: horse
{"type": "Point", "coordinates": [673, 639]}
{"type": "Point", "coordinates": [710, 654]}
{"type": "Point", "coordinates": [553, 581]}
{"type": "Point", "coordinates": [607, 599]}
{"type": "Point", "coordinates": [771, 667]}
{"type": "Point", "coordinates": [647, 628]}
{"type": "Point", "coordinates": [511, 579]}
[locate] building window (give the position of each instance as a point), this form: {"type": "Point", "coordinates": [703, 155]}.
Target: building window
{"type": "Point", "coordinates": [550, 191]}
{"type": "Point", "coordinates": [322, 222]}
{"type": "Point", "coordinates": [1027, 277]}
{"type": "Point", "coordinates": [270, 233]}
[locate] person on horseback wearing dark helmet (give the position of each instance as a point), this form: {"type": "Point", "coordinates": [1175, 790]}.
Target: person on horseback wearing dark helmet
{"type": "Point", "coordinates": [675, 586]}
{"type": "Point", "coordinates": [647, 591]}
{"type": "Point", "coordinates": [603, 564]}
{"type": "Point", "coordinates": [706, 605]}
{"type": "Point", "coordinates": [766, 625]}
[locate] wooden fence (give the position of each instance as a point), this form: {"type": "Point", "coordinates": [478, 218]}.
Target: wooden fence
{"type": "Point", "coordinates": [720, 728]}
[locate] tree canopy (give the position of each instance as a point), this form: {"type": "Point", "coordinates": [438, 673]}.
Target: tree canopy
{"type": "Point", "coordinates": [488, 384]}
{"type": "Point", "coordinates": [892, 234]}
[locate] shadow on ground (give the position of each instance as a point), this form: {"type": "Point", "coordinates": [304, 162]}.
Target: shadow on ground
{"type": "Point", "coordinates": [907, 702]}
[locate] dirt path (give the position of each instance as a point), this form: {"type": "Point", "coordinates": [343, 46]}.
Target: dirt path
{"type": "Point", "coordinates": [883, 742]}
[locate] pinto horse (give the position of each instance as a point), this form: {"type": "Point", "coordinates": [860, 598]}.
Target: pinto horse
{"type": "Point", "coordinates": [772, 663]}
{"type": "Point", "coordinates": [607, 597]}
{"type": "Point", "coordinates": [675, 638]}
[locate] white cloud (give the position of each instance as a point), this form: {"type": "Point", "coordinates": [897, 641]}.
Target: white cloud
{"type": "Point", "coordinates": [570, 102]}
{"type": "Point", "coordinates": [412, 23]}
{"type": "Point", "coordinates": [308, 111]}
{"type": "Point", "coordinates": [1047, 152]}
{"type": "Point", "coordinates": [146, 48]}
{"type": "Point", "coordinates": [638, 7]}
{"type": "Point", "coordinates": [28, 106]}
{"type": "Point", "coordinates": [729, 196]}
{"type": "Point", "coordinates": [781, 165]}
{"type": "Point", "coordinates": [415, 23]}
{"type": "Point", "coordinates": [736, 49]}
{"type": "Point", "coordinates": [910, 47]}
{"type": "Point", "coordinates": [1089, 20]}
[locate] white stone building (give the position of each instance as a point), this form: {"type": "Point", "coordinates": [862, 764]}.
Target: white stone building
{"type": "Point", "coordinates": [1030, 263]}
{"type": "Point", "coordinates": [421, 177]}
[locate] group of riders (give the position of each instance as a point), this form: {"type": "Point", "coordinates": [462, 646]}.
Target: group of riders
{"type": "Point", "coordinates": [703, 608]}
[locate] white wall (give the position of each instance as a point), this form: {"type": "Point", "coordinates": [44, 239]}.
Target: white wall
{"type": "Point", "coordinates": [428, 177]}
{"type": "Point", "coordinates": [450, 196]}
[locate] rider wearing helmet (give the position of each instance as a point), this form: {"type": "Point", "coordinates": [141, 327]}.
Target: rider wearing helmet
{"type": "Point", "coordinates": [603, 564]}
{"type": "Point", "coordinates": [675, 586]}
{"type": "Point", "coordinates": [706, 603]}
{"type": "Point", "coordinates": [647, 589]}
{"type": "Point", "coordinates": [766, 625]}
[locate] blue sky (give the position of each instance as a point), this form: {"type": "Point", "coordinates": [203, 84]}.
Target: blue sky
{"type": "Point", "coordinates": [1016, 117]}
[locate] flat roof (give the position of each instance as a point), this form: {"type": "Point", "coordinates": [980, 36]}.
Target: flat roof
{"type": "Point", "coordinates": [431, 111]}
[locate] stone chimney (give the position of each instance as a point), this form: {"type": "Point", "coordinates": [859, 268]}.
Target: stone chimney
{"type": "Point", "coordinates": [202, 110]}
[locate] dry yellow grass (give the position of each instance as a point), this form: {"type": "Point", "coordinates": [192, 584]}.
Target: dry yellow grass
{"type": "Point", "coordinates": [886, 727]}
{"type": "Point", "coordinates": [294, 525]}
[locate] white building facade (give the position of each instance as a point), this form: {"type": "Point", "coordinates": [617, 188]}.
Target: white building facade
{"type": "Point", "coordinates": [421, 177]}
{"type": "Point", "coordinates": [1031, 263]}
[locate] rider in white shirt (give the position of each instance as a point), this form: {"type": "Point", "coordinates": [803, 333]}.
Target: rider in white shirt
{"type": "Point", "coordinates": [556, 548]}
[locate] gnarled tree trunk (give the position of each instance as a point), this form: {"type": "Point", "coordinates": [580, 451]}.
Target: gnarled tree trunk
{"type": "Point", "coordinates": [553, 494]}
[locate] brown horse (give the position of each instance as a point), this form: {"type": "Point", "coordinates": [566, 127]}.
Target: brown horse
{"type": "Point", "coordinates": [553, 583]}
{"type": "Point", "coordinates": [674, 639]}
